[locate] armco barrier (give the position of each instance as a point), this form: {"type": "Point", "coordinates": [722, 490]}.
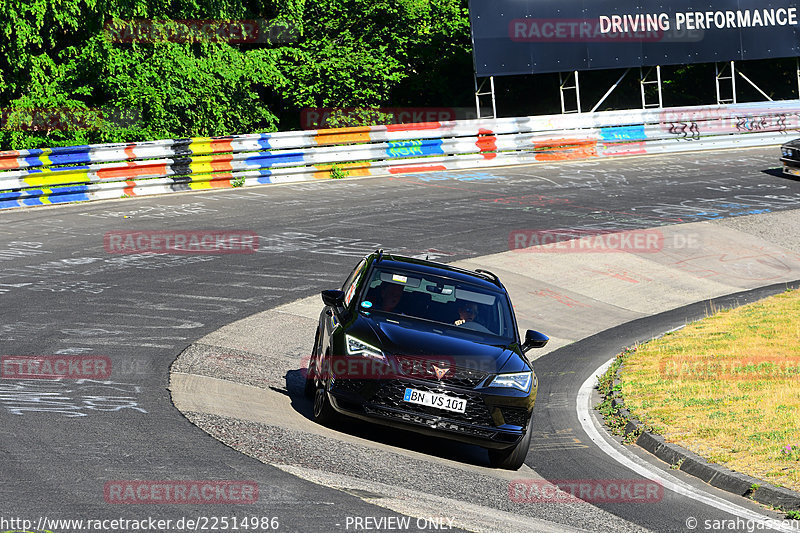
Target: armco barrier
{"type": "Point", "coordinates": [102, 171]}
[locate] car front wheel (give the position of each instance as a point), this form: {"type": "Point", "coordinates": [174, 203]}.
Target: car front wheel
{"type": "Point", "coordinates": [512, 458]}
{"type": "Point", "coordinates": [311, 381]}
{"type": "Point", "coordinates": [324, 413]}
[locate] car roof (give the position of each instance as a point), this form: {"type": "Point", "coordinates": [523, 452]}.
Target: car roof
{"type": "Point", "coordinates": [429, 267]}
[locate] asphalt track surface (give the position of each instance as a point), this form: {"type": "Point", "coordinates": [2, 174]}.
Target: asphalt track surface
{"type": "Point", "coordinates": [580, 461]}
{"type": "Point", "coordinates": [63, 293]}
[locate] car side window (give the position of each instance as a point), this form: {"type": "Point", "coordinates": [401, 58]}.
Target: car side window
{"type": "Point", "coordinates": [351, 283]}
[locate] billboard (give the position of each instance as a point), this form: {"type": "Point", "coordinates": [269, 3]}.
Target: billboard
{"type": "Point", "coordinates": [538, 36]}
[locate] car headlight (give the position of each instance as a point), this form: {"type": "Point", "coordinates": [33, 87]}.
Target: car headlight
{"type": "Point", "coordinates": [519, 380]}
{"type": "Point", "coordinates": [358, 347]}
{"type": "Point", "coordinates": [786, 152]}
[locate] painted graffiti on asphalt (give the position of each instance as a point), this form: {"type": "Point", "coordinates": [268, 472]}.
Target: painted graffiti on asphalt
{"type": "Point", "coordinates": [716, 208]}
{"type": "Point", "coordinates": [69, 398]}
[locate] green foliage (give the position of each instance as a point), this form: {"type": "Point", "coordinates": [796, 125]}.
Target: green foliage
{"type": "Point", "coordinates": [605, 385]}
{"type": "Point", "coordinates": [67, 78]}
{"type": "Point", "coordinates": [359, 116]}
{"type": "Point", "coordinates": [609, 391]}
{"type": "Point", "coordinates": [337, 173]}
{"type": "Point", "coordinates": [356, 51]}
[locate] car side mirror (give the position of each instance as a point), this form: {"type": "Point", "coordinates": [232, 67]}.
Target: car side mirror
{"type": "Point", "coordinates": [333, 298]}
{"type": "Point", "coordinates": [534, 339]}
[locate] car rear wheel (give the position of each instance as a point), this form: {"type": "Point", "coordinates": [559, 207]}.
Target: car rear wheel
{"type": "Point", "coordinates": [512, 458]}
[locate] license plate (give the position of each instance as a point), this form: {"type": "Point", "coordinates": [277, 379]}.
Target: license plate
{"type": "Point", "coordinates": [791, 170]}
{"type": "Point", "coordinates": [432, 399]}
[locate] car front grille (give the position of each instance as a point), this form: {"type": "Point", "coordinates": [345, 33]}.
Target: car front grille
{"type": "Point", "coordinates": [391, 392]}
{"type": "Point", "coordinates": [431, 421]}
{"type": "Point", "coordinates": [425, 370]}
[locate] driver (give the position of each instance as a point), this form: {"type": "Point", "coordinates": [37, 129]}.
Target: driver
{"type": "Point", "coordinates": [391, 294]}
{"type": "Point", "coordinates": [467, 312]}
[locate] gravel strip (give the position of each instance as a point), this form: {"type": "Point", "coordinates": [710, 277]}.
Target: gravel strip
{"type": "Point", "coordinates": [274, 445]}
{"type": "Point", "coordinates": [781, 228]}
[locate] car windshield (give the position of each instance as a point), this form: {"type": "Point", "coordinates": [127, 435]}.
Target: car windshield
{"type": "Point", "coordinates": [443, 300]}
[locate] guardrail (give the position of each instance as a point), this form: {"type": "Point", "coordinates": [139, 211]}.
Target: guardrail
{"type": "Point", "coordinates": [103, 171]}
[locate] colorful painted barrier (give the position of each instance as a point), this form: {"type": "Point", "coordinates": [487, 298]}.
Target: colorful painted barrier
{"type": "Point", "coordinates": [87, 172]}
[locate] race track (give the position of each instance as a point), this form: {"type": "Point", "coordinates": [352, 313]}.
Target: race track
{"type": "Point", "coordinates": [63, 293]}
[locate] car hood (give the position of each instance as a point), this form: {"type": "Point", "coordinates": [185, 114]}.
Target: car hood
{"type": "Point", "coordinates": [421, 339]}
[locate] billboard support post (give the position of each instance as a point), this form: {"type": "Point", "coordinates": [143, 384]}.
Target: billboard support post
{"type": "Point", "coordinates": [610, 90]}
{"type": "Point", "coordinates": [644, 80]}
{"type": "Point", "coordinates": [797, 62]}
{"type": "Point", "coordinates": [756, 87]}
{"type": "Point", "coordinates": [563, 87]}
{"type": "Point", "coordinates": [480, 92]}
{"type": "Point", "coordinates": [722, 76]}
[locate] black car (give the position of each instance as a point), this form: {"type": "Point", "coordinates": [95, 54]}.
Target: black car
{"type": "Point", "coordinates": [790, 157]}
{"type": "Point", "coordinates": [429, 348]}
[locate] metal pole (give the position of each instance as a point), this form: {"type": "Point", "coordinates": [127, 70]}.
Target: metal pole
{"type": "Point", "coordinates": [660, 99]}
{"type": "Point", "coordinates": [477, 98]}
{"type": "Point", "coordinates": [494, 106]}
{"type": "Point", "coordinates": [733, 81]}
{"type": "Point", "coordinates": [716, 77]}
{"type": "Point", "coordinates": [578, 92]}
{"type": "Point", "coordinates": [610, 90]}
{"type": "Point", "coordinates": [797, 62]}
{"type": "Point", "coordinates": [756, 87]}
{"type": "Point", "coordinates": [641, 86]}
{"type": "Point", "coordinates": [561, 90]}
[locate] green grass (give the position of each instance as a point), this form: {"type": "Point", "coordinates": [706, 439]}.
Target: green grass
{"type": "Point", "coordinates": [727, 387]}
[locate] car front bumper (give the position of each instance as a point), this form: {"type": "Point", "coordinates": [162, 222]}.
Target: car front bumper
{"type": "Point", "coordinates": [489, 421]}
